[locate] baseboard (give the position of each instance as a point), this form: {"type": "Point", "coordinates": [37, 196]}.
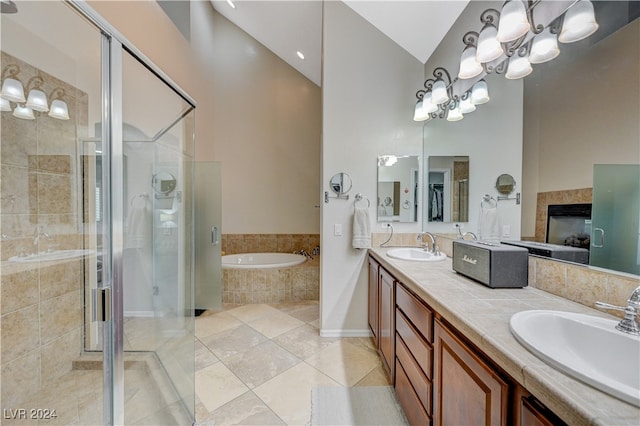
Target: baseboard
{"type": "Point", "coordinates": [345, 333]}
{"type": "Point", "coordinates": [139, 314]}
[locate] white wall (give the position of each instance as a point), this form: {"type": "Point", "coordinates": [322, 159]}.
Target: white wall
{"type": "Point", "coordinates": [491, 136]}
{"type": "Point", "coordinates": [369, 86]}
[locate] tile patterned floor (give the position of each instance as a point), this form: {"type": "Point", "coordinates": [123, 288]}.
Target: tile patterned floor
{"type": "Point", "coordinates": [256, 364]}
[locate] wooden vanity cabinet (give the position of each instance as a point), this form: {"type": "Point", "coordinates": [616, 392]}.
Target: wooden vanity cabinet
{"type": "Point", "coordinates": [528, 411]}
{"type": "Point", "coordinates": [374, 294]}
{"type": "Point", "coordinates": [467, 390]}
{"type": "Point", "coordinates": [387, 321]}
{"type": "Point", "coordinates": [414, 356]}
{"type": "Point", "coordinates": [381, 313]}
{"type": "Point", "coordinates": [439, 377]}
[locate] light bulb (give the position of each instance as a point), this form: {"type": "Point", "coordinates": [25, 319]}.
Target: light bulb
{"type": "Point", "coordinates": [59, 110]}
{"type": "Point", "coordinates": [23, 112]}
{"type": "Point", "coordinates": [480, 93]}
{"type": "Point", "coordinates": [489, 47]}
{"type": "Point", "coordinates": [519, 67]}
{"type": "Point", "coordinates": [439, 93]}
{"type": "Point", "coordinates": [37, 100]}
{"type": "Point", "coordinates": [466, 106]}
{"type": "Point", "coordinates": [418, 113]}
{"type": "Point", "coordinates": [544, 47]}
{"type": "Point", "coordinates": [455, 114]}
{"type": "Point", "coordinates": [469, 67]}
{"type": "Point", "coordinates": [12, 90]}
{"type": "Point", "coordinates": [427, 105]}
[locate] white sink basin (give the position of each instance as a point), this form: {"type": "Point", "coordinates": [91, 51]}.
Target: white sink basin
{"type": "Point", "coordinates": [415, 254]}
{"type": "Point", "coordinates": [585, 347]}
{"type": "Point", "coordinates": [51, 255]}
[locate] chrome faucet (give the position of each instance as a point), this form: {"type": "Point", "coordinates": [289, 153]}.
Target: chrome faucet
{"type": "Point", "coordinates": [434, 247]}
{"type": "Point", "coordinates": [303, 252]}
{"type": "Point", "coordinates": [628, 324]}
{"type": "Point", "coordinates": [36, 238]}
{"type": "Point", "coordinates": [473, 236]}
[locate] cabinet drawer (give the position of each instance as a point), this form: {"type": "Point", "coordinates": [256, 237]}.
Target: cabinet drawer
{"type": "Point", "coordinates": [415, 374]}
{"type": "Point", "coordinates": [416, 312]}
{"type": "Point", "coordinates": [413, 410]}
{"type": "Point", "coordinates": [421, 351]}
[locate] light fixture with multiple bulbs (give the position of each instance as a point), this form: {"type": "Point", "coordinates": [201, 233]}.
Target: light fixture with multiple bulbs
{"type": "Point", "coordinates": [511, 48]}
{"type": "Point", "coordinates": [36, 100]}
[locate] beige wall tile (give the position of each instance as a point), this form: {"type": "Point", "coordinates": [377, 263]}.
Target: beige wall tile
{"type": "Point", "coordinates": [551, 277]}
{"type": "Point", "coordinates": [585, 286]}
{"type": "Point", "coordinates": [18, 291]}
{"type": "Point", "coordinates": [20, 379]}
{"type": "Point", "coordinates": [620, 288]}
{"type": "Point", "coordinates": [20, 333]}
{"type": "Point", "coordinates": [58, 355]}
{"type": "Point", "coordinates": [60, 315]}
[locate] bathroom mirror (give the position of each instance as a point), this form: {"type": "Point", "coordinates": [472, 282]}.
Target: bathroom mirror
{"type": "Point", "coordinates": [398, 188]}
{"type": "Point", "coordinates": [447, 189]}
{"type": "Point", "coordinates": [505, 184]}
{"type": "Point", "coordinates": [340, 183]}
{"type": "Point", "coordinates": [163, 183]}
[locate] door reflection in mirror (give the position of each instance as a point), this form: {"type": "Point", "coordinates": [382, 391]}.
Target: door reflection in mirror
{"type": "Point", "coordinates": [398, 188]}
{"type": "Point", "coordinates": [447, 190]}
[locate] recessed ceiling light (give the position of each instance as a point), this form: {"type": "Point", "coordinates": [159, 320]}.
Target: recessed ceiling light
{"type": "Point", "coordinates": [300, 55]}
{"type": "Point", "coordinates": [233, 6]}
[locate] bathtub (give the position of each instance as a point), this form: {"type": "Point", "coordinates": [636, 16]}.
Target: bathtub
{"type": "Point", "coordinates": [269, 278]}
{"type": "Point", "coordinates": [261, 260]}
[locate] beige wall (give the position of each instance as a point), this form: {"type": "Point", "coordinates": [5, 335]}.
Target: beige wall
{"type": "Point", "coordinates": [255, 114]}
{"type": "Point", "coordinates": [369, 84]}
{"type": "Point", "coordinates": [580, 111]}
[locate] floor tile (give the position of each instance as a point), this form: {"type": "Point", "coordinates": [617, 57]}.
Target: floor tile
{"type": "Point", "coordinates": [344, 362]}
{"type": "Point", "coordinates": [377, 377]}
{"type": "Point", "coordinates": [233, 341]}
{"type": "Point", "coordinates": [213, 324]}
{"type": "Point", "coordinates": [275, 324]}
{"type": "Point", "coordinates": [289, 394]}
{"type": "Point", "coordinates": [248, 313]}
{"type": "Point", "coordinates": [204, 356]}
{"type": "Point", "coordinates": [304, 341]}
{"type": "Point", "coordinates": [247, 409]}
{"type": "Point", "coordinates": [260, 363]}
{"type": "Point", "coordinates": [307, 314]}
{"type": "Point", "coordinates": [216, 385]}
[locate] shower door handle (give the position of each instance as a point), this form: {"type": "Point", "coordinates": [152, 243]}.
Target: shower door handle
{"type": "Point", "coordinates": [214, 236]}
{"type": "Point", "coordinates": [101, 304]}
{"type": "Point", "coordinates": [601, 244]}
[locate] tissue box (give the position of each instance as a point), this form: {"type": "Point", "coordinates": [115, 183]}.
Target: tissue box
{"type": "Point", "coordinates": [492, 264]}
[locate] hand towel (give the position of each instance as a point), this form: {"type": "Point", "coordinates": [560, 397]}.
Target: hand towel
{"type": "Point", "coordinates": [488, 229]}
{"type": "Point", "coordinates": [361, 228]}
{"type": "Point", "coordinates": [138, 233]}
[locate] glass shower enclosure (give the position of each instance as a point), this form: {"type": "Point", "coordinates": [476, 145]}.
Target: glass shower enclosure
{"type": "Point", "coordinates": [97, 226]}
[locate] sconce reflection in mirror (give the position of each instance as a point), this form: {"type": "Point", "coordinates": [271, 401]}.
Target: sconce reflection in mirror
{"type": "Point", "coordinates": [340, 184]}
{"type": "Point", "coordinates": [509, 42]}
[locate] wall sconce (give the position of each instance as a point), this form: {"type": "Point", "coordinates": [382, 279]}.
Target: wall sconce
{"type": "Point", "coordinates": [510, 48]}
{"type": "Point", "coordinates": [13, 92]}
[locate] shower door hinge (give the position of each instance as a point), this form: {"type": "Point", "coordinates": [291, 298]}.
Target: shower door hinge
{"type": "Point", "coordinates": [101, 303]}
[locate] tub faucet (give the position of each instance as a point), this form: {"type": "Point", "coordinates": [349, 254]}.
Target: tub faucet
{"type": "Point", "coordinates": [315, 251]}
{"type": "Point", "coordinates": [628, 324]}
{"type": "Point", "coordinates": [303, 252]}
{"type": "Point", "coordinates": [434, 247]}
{"type": "Point", "coordinates": [39, 232]}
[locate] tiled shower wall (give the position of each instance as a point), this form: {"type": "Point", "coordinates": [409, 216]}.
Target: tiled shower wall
{"type": "Point", "coordinates": [41, 303]}
{"type": "Point", "coordinates": [301, 282]}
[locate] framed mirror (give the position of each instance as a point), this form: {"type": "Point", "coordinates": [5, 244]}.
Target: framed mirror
{"type": "Point", "coordinates": [398, 188]}
{"type": "Point", "coordinates": [340, 183]}
{"type": "Point", "coordinates": [447, 189]}
{"type": "Point", "coordinates": [505, 184]}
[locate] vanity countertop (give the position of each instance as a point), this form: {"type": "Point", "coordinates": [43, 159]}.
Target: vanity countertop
{"type": "Point", "coordinates": [482, 314]}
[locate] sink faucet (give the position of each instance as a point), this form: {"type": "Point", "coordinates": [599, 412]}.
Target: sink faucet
{"type": "Point", "coordinates": [628, 324]}
{"type": "Point", "coordinates": [473, 236]}
{"type": "Point", "coordinates": [434, 247]}
{"type": "Point", "coordinates": [39, 232]}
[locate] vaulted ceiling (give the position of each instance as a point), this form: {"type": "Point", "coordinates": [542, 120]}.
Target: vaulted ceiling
{"type": "Point", "coordinates": [288, 27]}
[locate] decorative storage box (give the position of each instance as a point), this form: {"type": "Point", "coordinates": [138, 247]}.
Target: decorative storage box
{"type": "Point", "coordinates": [494, 265]}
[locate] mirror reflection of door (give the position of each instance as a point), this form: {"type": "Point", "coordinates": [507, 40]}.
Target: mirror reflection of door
{"type": "Point", "coordinates": [398, 188]}
{"type": "Point", "coordinates": [447, 189]}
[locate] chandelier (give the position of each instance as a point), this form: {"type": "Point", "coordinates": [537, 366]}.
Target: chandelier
{"type": "Point", "coordinates": [527, 33]}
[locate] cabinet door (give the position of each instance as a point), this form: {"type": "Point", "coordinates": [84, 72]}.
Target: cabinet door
{"type": "Point", "coordinates": [528, 411]}
{"type": "Point", "coordinates": [467, 391]}
{"type": "Point", "coordinates": [387, 325]}
{"type": "Point", "coordinates": [374, 291]}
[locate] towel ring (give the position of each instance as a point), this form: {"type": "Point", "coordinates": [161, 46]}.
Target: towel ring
{"type": "Point", "coordinates": [488, 199]}
{"type": "Point", "coordinates": [144, 196]}
{"type": "Point", "coordinates": [360, 197]}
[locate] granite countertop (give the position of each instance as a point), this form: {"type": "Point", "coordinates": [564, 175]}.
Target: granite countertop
{"type": "Point", "coordinates": [482, 314]}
